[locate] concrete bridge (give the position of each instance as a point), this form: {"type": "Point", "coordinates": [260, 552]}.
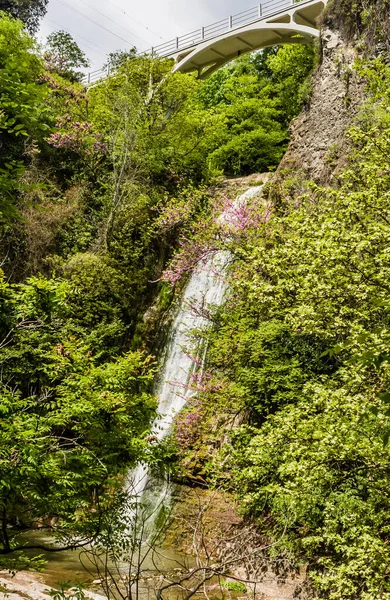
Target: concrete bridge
{"type": "Point", "coordinates": [207, 49]}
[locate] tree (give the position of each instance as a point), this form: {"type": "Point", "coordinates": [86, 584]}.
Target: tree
{"type": "Point", "coordinates": [69, 423]}
{"type": "Point", "coordinates": [291, 68]}
{"type": "Point", "coordinates": [23, 114]}
{"type": "Point", "coordinates": [257, 96]}
{"type": "Point", "coordinates": [64, 56]}
{"type": "Point", "coordinates": [129, 556]}
{"type": "Point", "coordinates": [28, 11]}
{"type": "Point", "coordinates": [157, 134]}
{"type": "Point", "coordinates": [119, 58]}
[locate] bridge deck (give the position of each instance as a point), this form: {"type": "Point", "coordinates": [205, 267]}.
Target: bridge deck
{"type": "Point", "coordinates": [293, 23]}
{"type": "Point", "coordinates": [226, 32]}
{"type": "Point", "coordinates": [230, 23]}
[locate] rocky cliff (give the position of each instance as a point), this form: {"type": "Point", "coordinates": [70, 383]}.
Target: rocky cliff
{"type": "Point", "coordinates": [318, 144]}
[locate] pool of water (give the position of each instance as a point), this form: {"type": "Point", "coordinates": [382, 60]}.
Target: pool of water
{"type": "Point", "coordinates": [83, 567]}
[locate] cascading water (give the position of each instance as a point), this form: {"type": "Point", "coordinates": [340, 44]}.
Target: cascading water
{"type": "Point", "coordinates": [185, 352]}
{"type": "Point", "coordinates": [205, 288]}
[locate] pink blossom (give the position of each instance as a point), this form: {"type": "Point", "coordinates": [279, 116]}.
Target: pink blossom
{"type": "Point", "coordinates": [232, 222]}
{"type": "Point", "coordinates": [78, 137]}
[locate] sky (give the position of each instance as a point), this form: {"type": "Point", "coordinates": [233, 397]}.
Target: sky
{"type": "Point", "coordinates": [103, 26]}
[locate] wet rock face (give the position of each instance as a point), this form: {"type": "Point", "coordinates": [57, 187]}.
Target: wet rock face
{"type": "Point", "coordinates": [318, 146]}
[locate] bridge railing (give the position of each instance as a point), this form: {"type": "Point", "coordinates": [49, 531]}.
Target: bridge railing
{"type": "Point", "coordinates": [245, 17]}
{"type": "Point", "coordinates": [187, 41]}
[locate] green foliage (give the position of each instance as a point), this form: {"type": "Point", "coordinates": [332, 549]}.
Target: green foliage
{"type": "Point", "coordinates": [234, 586]}
{"type": "Point", "coordinates": [119, 58]}
{"type": "Point", "coordinates": [69, 424]}
{"type": "Point", "coordinates": [251, 151]}
{"type": "Point", "coordinates": [96, 289]}
{"type": "Point", "coordinates": [68, 592]}
{"type": "Point", "coordinates": [257, 97]}
{"type": "Point", "coordinates": [65, 55]}
{"type": "Point", "coordinates": [20, 562]}
{"type": "Point", "coordinates": [153, 114]}
{"type": "Point", "coordinates": [28, 11]}
{"type": "Point", "coordinates": [105, 184]}
{"type": "Point", "coordinates": [301, 354]}
{"type": "Point", "coordinates": [360, 20]}
{"type": "Point", "coordinates": [23, 113]}
{"type": "Point", "coordinates": [291, 68]}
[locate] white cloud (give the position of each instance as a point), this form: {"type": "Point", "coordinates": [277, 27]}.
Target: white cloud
{"type": "Point", "coordinates": [102, 26]}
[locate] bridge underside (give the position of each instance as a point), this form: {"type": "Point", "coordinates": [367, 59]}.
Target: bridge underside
{"type": "Point", "coordinates": [293, 26]}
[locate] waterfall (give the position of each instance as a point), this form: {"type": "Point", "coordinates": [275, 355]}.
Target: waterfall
{"type": "Point", "coordinates": [184, 353]}
{"type": "Point", "coordinates": [205, 288]}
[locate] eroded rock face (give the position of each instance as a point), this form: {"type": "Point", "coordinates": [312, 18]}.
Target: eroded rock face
{"type": "Point", "coordinates": [318, 145]}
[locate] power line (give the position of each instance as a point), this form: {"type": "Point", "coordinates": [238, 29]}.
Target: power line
{"type": "Point", "coordinates": [79, 36]}
{"type": "Point", "coordinates": [96, 49]}
{"type": "Point", "coordinates": [95, 22]}
{"type": "Point", "coordinates": [115, 23]}
{"type": "Point", "coordinates": [135, 20]}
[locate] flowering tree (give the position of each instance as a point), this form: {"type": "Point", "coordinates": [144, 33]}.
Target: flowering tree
{"type": "Point", "coordinates": [229, 221]}
{"type": "Point", "coordinates": [72, 134]}
{"type": "Point", "coordinates": [77, 137]}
